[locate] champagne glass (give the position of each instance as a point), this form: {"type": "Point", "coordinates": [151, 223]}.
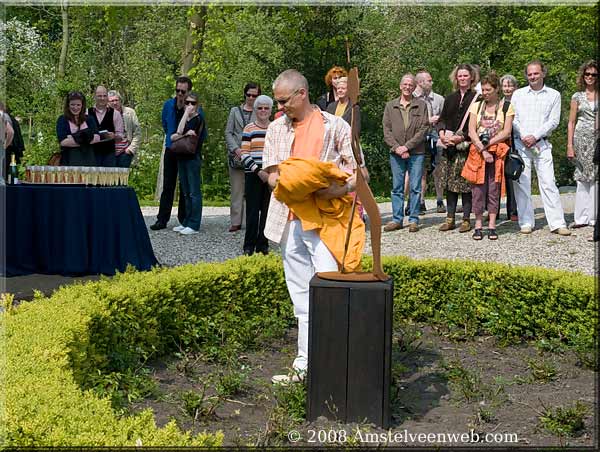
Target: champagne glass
{"type": "Point", "coordinates": [35, 170]}
{"type": "Point", "coordinates": [85, 174]}
{"type": "Point", "coordinates": [61, 174]}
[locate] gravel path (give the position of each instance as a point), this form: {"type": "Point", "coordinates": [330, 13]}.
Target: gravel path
{"type": "Point", "coordinates": [541, 248]}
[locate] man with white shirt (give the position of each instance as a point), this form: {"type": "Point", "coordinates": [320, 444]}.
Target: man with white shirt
{"type": "Point", "coordinates": [537, 114]}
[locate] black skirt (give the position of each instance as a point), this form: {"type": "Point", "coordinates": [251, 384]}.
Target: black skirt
{"type": "Point", "coordinates": [80, 156]}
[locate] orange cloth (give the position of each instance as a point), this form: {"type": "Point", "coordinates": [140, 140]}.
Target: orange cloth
{"type": "Point", "coordinates": [474, 169]}
{"type": "Point", "coordinates": [298, 180]}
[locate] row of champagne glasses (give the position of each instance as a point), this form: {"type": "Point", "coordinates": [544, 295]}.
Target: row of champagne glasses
{"type": "Point", "coordinates": [87, 175]}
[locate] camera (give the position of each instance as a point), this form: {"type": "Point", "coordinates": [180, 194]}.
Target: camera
{"type": "Point", "coordinates": [484, 137]}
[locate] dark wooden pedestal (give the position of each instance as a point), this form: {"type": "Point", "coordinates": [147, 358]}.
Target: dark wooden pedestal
{"type": "Point", "coordinates": [349, 351]}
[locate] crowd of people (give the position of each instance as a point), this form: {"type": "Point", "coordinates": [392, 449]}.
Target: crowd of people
{"type": "Point", "coordinates": [470, 133]}
{"type": "Point", "coordinates": [105, 134]}
{"type": "Point", "coordinates": [459, 143]}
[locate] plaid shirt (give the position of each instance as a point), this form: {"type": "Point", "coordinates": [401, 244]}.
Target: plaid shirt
{"type": "Point", "coordinates": [337, 148]}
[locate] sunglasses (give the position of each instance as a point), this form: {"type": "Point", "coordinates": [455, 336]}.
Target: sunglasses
{"type": "Point", "coordinates": [285, 101]}
{"type": "Point", "coordinates": [251, 95]}
{"type": "Point", "coordinates": [181, 91]}
{"type": "Point", "coordinates": [263, 108]}
{"type": "Point", "coordinates": [590, 74]}
{"type": "Point", "coordinates": [190, 102]}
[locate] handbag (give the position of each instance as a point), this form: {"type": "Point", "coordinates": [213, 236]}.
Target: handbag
{"type": "Point", "coordinates": [187, 145]}
{"type": "Point", "coordinates": [514, 164]}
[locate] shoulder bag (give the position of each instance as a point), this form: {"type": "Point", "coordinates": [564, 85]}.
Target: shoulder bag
{"type": "Point", "coordinates": [188, 144]}
{"type": "Point", "coordinates": [514, 164]}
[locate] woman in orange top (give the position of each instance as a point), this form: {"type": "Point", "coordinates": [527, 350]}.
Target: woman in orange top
{"type": "Point", "coordinates": [489, 128]}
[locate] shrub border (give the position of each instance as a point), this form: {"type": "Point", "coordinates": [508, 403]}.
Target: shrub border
{"type": "Point", "coordinates": [54, 343]}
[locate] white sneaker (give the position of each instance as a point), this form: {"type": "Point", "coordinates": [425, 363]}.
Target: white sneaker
{"type": "Point", "coordinates": [295, 377]}
{"type": "Point", "coordinates": [188, 231]}
{"type": "Point", "coordinates": [526, 229]}
{"type": "Point", "coordinates": [179, 228]}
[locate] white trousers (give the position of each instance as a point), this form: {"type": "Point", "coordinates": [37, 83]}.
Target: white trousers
{"type": "Point", "coordinates": [544, 169]}
{"type": "Point", "coordinates": [585, 203]}
{"type": "Point", "coordinates": [237, 181]}
{"type": "Point", "coordinates": [304, 254]}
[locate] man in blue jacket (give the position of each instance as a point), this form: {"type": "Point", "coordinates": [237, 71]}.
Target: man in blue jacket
{"type": "Point", "coordinates": [172, 113]}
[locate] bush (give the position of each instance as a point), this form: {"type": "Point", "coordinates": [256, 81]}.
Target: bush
{"type": "Point", "coordinates": [58, 346]}
{"type": "Point", "coordinates": [511, 303]}
{"type": "Point", "coordinates": [61, 350]}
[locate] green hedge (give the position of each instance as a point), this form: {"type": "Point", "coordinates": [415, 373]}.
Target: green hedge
{"type": "Point", "coordinates": [57, 348]}
{"type": "Point", "coordinates": [511, 303]}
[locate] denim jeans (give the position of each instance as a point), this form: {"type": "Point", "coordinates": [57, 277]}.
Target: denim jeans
{"type": "Point", "coordinates": [190, 180]}
{"type": "Point", "coordinates": [414, 166]}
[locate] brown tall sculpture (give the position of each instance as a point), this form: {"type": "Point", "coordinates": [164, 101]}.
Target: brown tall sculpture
{"type": "Point", "coordinates": [366, 196]}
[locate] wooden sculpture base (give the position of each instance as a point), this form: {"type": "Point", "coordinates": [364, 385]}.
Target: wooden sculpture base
{"type": "Point", "coordinates": [350, 351]}
{"type": "Point", "coordinates": [356, 277]}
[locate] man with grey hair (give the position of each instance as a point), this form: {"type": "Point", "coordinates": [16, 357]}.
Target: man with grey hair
{"type": "Point", "coordinates": [309, 133]}
{"type": "Point", "coordinates": [405, 122]}
{"type": "Point", "coordinates": [125, 149]}
{"type": "Point", "coordinates": [434, 103]}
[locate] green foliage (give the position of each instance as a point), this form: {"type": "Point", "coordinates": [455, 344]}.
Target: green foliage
{"type": "Point", "coordinates": [543, 371]}
{"type": "Point", "coordinates": [288, 413]}
{"type": "Point", "coordinates": [198, 405]}
{"type": "Point", "coordinates": [564, 421]}
{"type": "Point", "coordinates": [73, 359]}
{"type": "Point", "coordinates": [232, 382]}
{"type": "Point", "coordinates": [92, 336]}
{"type": "Point", "coordinates": [471, 298]}
{"type": "Point", "coordinates": [468, 383]}
{"type": "Point", "coordinates": [139, 51]}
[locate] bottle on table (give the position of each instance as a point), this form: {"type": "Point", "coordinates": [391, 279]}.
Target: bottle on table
{"type": "Point", "coordinates": [13, 175]}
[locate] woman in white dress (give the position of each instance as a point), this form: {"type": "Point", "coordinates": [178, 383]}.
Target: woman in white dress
{"type": "Point", "coordinates": [582, 139]}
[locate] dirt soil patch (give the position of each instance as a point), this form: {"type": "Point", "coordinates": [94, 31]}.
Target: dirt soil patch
{"type": "Point", "coordinates": [537, 394]}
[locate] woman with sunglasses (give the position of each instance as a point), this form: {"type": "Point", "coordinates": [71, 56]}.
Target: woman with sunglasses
{"type": "Point", "coordinates": [188, 167]}
{"type": "Point", "coordinates": [582, 140]}
{"type": "Point", "coordinates": [76, 132]}
{"type": "Point", "coordinates": [257, 190]}
{"type": "Point", "coordinates": [239, 117]}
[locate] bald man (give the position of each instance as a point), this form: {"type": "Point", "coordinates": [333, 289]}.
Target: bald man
{"type": "Point", "coordinates": [305, 132]}
{"type": "Point", "coordinates": [109, 121]}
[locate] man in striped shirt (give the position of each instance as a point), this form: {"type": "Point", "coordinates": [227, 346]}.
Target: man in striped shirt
{"type": "Point", "coordinates": [305, 132]}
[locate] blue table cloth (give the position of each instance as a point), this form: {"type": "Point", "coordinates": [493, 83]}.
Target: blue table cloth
{"type": "Point", "coordinates": [74, 230]}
